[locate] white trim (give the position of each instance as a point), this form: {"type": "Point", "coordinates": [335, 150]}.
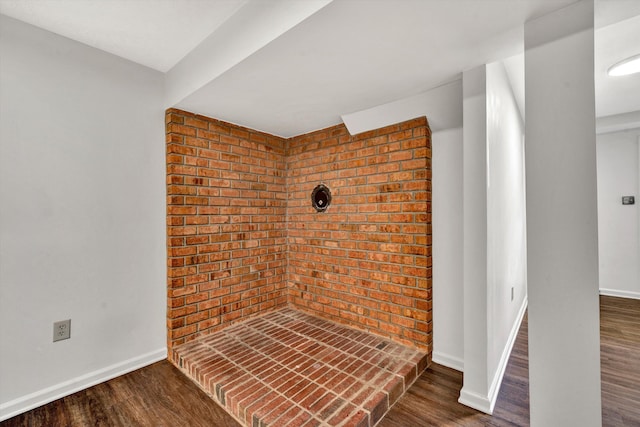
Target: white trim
{"type": "Point", "coordinates": [617, 122]}
{"type": "Point", "coordinates": [506, 353]}
{"type": "Point", "coordinates": [475, 401]}
{"type": "Point", "coordinates": [620, 294]}
{"type": "Point", "coordinates": [487, 403]}
{"type": "Point", "coordinates": [447, 360]}
{"type": "Point", "coordinates": [57, 391]}
{"type": "Point", "coordinates": [437, 104]}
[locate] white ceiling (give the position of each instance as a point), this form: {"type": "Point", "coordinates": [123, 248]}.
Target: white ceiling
{"type": "Point", "coordinates": [354, 54]}
{"type": "Point", "coordinates": [330, 59]}
{"type": "Point", "coordinates": [155, 33]}
{"type": "Point", "coordinates": [613, 43]}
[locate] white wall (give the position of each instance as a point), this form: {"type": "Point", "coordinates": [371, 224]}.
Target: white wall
{"type": "Point", "coordinates": [494, 231]}
{"type": "Point", "coordinates": [562, 223]}
{"type": "Point", "coordinates": [618, 240]}
{"type": "Point", "coordinates": [446, 194]}
{"type": "Point", "coordinates": [506, 219]}
{"type": "Point", "coordinates": [82, 216]}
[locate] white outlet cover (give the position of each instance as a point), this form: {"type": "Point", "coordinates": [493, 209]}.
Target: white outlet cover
{"type": "Point", "coordinates": [62, 330]}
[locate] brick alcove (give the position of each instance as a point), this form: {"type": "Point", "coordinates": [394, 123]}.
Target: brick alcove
{"type": "Point", "coordinates": [243, 237]}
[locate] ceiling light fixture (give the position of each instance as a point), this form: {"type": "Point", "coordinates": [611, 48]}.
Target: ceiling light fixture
{"type": "Point", "coordinates": [628, 66]}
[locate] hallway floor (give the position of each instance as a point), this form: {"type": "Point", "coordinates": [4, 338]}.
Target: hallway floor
{"type": "Point", "coordinates": [287, 368]}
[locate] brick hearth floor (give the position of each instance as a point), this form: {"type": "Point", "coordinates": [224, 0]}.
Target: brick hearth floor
{"type": "Point", "coordinates": [287, 368]}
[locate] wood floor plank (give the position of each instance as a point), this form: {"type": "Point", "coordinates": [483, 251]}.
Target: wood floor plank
{"type": "Point", "coordinates": [159, 395]}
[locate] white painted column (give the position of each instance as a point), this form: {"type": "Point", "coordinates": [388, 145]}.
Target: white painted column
{"type": "Point", "coordinates": [564, 335]}
{"type": "Point", "coordinates": [475, 390]}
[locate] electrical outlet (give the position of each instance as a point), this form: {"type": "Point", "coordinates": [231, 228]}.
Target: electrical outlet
{"type": "Point", "coordinates": [512, 290]}
{"type": "Point", "coordinates": [62, 330]}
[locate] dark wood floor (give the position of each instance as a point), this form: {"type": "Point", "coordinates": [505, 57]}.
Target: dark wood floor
{"type": "Point", "coordinates": [620, 361]}
{"type": "Point", "coordinates": [433, 398]}
{"type": "Point", "coordinates": [159, 395]}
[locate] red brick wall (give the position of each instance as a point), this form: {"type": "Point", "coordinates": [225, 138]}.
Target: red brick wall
{"type": "Point", "coordinates": [226, 230]}
{"type": "Point", "coordinates": [243, 237]}
{"type": "Point", "coordinates": [366, 260]}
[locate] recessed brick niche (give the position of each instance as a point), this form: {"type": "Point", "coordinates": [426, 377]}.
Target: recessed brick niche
{"type": "Point", "coordinates": [243, 237]}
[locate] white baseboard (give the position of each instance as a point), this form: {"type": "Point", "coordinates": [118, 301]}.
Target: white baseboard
{"type": "Point", "coordinates": [506, 353]}
{"type": "Point", "coordinates": [476, 401]}
{"type": "Point", "coordinates": [487, 403]}
{"type": "Point", "coordinates": [57, 391]}
{"type": "Point", "coordinates": [621, 294]}
{"type": "Point", "coordinates": [448, 361]}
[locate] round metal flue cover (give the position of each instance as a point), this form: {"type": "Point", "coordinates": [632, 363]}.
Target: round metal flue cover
{"type": "Point", "coordinates": [321, 198]}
